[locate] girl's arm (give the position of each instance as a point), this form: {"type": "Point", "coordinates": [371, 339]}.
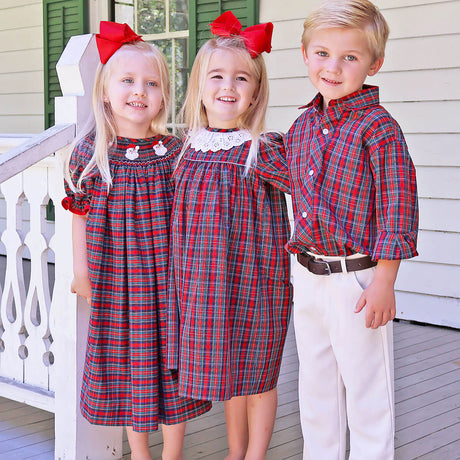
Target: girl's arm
{"type": "Point", "coordinates": [80, 284]}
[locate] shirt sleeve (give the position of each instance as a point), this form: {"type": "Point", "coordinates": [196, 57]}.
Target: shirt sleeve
{"type": "Point", "coordinates": [271, 162]}
{"type": "Point", "coordinates": [396, 196]}
{"type": "Point", "coordinates": [79, 201]}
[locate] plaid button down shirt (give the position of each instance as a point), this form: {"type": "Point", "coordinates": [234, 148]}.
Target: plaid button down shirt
{"type": "Point", "coordinates": [352, 180]}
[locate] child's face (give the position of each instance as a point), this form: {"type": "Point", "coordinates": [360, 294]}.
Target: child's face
{"type": "Point", "coordinates": [339, 60]}
{"type": "Point", "coordinates": [134, 93]}
{"type": "Point", "coordinates": [229, 89]}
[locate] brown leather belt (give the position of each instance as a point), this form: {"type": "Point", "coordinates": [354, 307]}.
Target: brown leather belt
{"type": "Point", "coordinates": [321, 267]}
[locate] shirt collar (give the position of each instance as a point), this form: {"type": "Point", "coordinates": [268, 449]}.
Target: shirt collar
{"type": "Point", "coordinates": [361, 99]}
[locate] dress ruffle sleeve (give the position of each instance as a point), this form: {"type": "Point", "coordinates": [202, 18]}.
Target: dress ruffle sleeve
{"type": "Point", "coordinates": [78, 202]}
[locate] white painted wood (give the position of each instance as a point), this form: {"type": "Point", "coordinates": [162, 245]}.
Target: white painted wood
{"type": "Point", "coordinates": [15, 83]}
{"type": "Point", "coordinates": [13, 295]}
{"type": "Point", "coordinates": [426, 117]}
{"type": "Point", "coordinates": [438, 182]}
{"type": "Point", "coordinates": [31, 396]}
{"type": "Point", "coordinates": [22, 15]}
{"type": "Point", "coordinates": [13, 104]}
{"type": "Point", "coordinates": [18, 39]}
{"type": "Point", "coordinates": [14, 124]}
{"type": "Point", "coordinates": [35, 149]}
{"type": "Point", "coordinates": [426, 20]}
{"type": "Point", "coordinates": [444, 311]}
{"type": "Point", "coordinates": [439, 247]}
{"type": "Point", "coordinates": [38, 301]}
{"type": "Point", "coordinates": [429, 278]}
{"type": "Point", "coordinates": [434, 149]}
{"type": "Point", "coordinates": [439, 214]}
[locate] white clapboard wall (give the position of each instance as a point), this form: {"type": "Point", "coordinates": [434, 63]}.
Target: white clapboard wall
{"type": "Point", "coordinates": [21, 66]}
{"type": "Point", "coordinates": [419, 87]}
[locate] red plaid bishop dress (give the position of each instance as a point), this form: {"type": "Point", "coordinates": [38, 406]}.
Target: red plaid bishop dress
{"type": "Point", "coordinates": [125, 379]}
{"type": "Point", "coordinates": [229, 273]}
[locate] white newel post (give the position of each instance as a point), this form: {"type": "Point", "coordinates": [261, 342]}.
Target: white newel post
{"type": "Point", "coordinates": [75, 437]}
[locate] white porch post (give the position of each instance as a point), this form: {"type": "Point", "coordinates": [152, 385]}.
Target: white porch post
{"type": "Point", "coordinates": [75, 437]}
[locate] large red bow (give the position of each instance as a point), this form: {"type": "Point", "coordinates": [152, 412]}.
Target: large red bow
{"type": "Point", "coordinates": [112, 37]}
{"type": "Point", "coordinates": [257, 38]}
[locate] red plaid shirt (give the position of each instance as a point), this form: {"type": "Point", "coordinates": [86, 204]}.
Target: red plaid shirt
{"type": "Point", "coordinates": [352, 180]}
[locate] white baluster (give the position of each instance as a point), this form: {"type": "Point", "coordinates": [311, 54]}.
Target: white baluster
{"type": "Point", "coordinates": [36, 312]}
{"type": "Point", "coordinates": [13, 295]}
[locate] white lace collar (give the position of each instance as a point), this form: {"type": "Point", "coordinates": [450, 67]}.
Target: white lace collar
{"type": "Point", "coordinates": [213, 141]}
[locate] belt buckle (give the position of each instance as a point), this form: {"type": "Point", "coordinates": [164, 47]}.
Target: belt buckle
{"type": "Point", "coordinates": [324, 264]}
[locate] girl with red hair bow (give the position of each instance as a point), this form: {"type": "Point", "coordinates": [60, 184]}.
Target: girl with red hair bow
{"type": "Point", "coordinates": [229, 273]}
{"type": "Point", "coordinates": [120, 191]}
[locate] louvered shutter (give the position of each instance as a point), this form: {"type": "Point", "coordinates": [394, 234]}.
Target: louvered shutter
{"type": "Point", "coordinates": [203, 12]}
{"type": "Point", "coordinates": [61, 20]}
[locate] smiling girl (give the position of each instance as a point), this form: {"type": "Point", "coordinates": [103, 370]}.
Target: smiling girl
{"type": "Point", "coordinates": [229, 282]}
{"type": "Point", "coordinates": [120, 192]}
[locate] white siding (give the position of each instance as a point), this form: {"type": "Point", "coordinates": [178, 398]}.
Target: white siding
{"type": "Point", "coordinates": [419, 86]}
{"type": "Point", "coordinates": [21, 66]}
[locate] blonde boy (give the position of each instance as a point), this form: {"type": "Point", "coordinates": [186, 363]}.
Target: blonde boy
{"type": "Point", "coordinates": [355, 206]}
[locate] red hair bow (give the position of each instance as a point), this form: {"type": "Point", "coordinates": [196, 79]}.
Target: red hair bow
{"type": "Point", "coordinates": [257, 38]}
{"type": "Point", "coordinates": [112, 37]}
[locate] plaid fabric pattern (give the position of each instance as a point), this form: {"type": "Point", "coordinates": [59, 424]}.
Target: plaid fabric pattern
{"type": "Point", "coordinates": [229, 276]}
{"type": "Point", "coordinates": [353, 182]}
{"type": "Point", "coordinates": [126, 381]}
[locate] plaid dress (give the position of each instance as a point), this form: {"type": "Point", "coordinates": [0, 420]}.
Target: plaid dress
{"type": "Point", "coordinates": [230, 296]}
{"type": "Point", "coordinates": [126, 381]}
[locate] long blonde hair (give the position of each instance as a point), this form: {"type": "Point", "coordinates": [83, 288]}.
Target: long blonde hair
{"type": "Point", "coordinates": [194, 112]}
{"type": "Point", "coordinates": [103, 124]}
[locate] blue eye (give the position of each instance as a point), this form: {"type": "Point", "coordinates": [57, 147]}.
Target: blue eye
{"type": "Point", "coordinates": [152, 83]}
{"type": "Point", "coordinates": [322, 53]}
{"type": "Point", "coordinates": [241, 78]}
{"type": "Point", "coordinates": [127, 80]}
{"type": "Point", "coordinates": [350, 58]}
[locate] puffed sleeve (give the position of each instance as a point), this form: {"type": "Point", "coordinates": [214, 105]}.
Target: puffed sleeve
{"type": "Point", "coordinates": [271, 162]}
{"type": "Point", "coordinates": [79, 202]}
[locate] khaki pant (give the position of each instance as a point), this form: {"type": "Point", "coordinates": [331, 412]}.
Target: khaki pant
{"type": "Point", "coordinates": [346, 369]}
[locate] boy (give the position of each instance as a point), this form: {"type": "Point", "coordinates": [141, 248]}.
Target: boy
{"type": "Point", "coordinates": [355, 206]}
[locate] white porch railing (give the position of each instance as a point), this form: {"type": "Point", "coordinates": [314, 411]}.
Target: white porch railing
{"type": "Point", "coordinates": [43, 328]}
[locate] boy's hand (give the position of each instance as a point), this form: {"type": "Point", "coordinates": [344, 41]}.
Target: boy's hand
{"type": "Point", "coordinates": [379, 296]}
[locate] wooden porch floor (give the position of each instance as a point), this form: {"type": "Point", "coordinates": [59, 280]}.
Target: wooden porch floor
{"type": "Point", "coordinates": [427, 385]}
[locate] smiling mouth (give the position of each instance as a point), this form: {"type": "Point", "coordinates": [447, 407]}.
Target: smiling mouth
{"type": "Point", "coordinates": [332, 82]}
{"type": "Point", "coordinates": [226, 99]}
{"type": "Point", "coordinates": [137, 104]}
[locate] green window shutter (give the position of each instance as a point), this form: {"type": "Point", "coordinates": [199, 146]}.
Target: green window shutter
{"type": "Point", "coordinates": [203, 12]}
{"type": "Point", "coordinates": [61, 20]}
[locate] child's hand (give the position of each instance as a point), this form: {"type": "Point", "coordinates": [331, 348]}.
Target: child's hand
{"type": "Point", "coordinates": [379, 296]}
{"type": "Point", "coordinates": [379, 299]}
{"type": "Point", "coordinates": [81, 287]}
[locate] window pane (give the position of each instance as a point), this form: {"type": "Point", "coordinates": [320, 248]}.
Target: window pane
{"type": "Point", "coordinates": [124, 13]}
{"type": "Point", "coordinates": [178, 14]}
{"type": "Point", "coordinates": [151, 17]}
{"type": "Point", "coordinates": [181, 53]}
{"type": "Point", "coordinates": [165, 46]}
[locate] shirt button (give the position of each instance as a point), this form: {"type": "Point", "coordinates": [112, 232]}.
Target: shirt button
{"type": "Point", "coordinates": [325, 131]}
{"type": "Point", "coordinates": [310, 173]}
{"type": "Point", "coordinates": [304, 214]}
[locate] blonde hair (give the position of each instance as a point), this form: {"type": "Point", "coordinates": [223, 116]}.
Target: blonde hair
{"type": "Point", "coordinates": [104, 124]}
{"type": "Point", "coordinates": [350, 14]}
{"type": "Point", "coordinates": [193, 110]}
